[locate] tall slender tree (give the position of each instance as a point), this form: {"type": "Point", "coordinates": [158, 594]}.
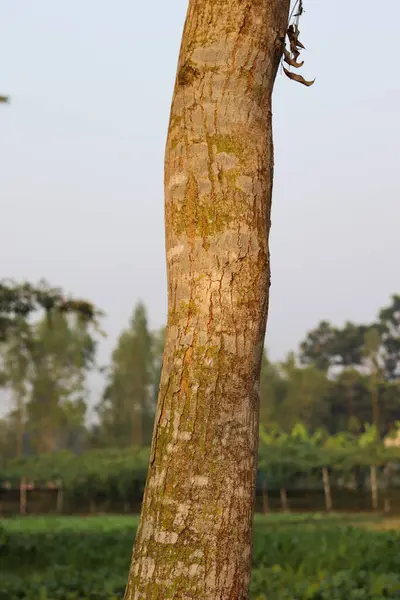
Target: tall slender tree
{"type": "Point", "coordinates": [372, 348]}
{"type": "Point", "coordinates": [389, 328]}
{"type": "Point", "coordinates": [22, 347]}
{"type": "Point", "coordinates": [126, 411]}
{"type": "Point", "coordinates": [16, 361]}
{"type": "Point", "coordinates": [194, 537]}
{"type": "Point", "coordinates": [62, 353]}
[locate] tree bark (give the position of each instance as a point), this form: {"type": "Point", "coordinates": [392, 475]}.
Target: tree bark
{"type": "Point", "coordinates": [195, 531]}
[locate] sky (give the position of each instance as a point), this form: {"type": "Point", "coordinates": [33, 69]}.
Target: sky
{"type": "Point", "coordinates": [82, 148]}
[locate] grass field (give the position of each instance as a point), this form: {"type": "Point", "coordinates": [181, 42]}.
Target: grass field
{"type": "Point", "coordinates": [296, 557]}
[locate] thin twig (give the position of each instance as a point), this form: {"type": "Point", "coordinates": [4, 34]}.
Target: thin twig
{"type": "Point", "coordinates": [293, 9]}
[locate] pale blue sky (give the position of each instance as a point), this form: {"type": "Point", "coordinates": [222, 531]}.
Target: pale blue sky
{"type": "Point", "coordinates": [82, 144]}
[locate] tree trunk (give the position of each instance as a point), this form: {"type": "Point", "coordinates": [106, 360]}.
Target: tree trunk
{"type": "Point", "coordinates": [375, 400]}
{"type": "Point", "coordinates": [284, 500]}
{"type": "Point", "coordinates": [374, 488]}
{"type": "Point", "coordinates": [20, 425]}
{"type": "Point", "coordinates": [195, 531]}
{"type": "Point", "coordinates": [60, 497]}
{"type": "Point", "coordinates": [265, 498]}
{"type": "Point", "coordinates": [387, 503]}
{"type": "Point", "coordinates": [327, 489]}
{"type": "Point", "coordinates": [22, 497]}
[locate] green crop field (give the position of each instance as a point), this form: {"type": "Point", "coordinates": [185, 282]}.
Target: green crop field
{"type": "Point", "coordinates": [301, 557]}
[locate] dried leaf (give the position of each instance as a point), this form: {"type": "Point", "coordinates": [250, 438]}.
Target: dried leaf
{"type": "Point", "coordinates": [295, 53]}
{"type": "Point", "coordinates": [4, 99]}
{"type": "Point", "coordinates": [292, 61]}
{"type": "Point", "coordinates": [291, 33]}
{"type": "Point", "coordinates": [296, 33]}
{"type": "Point", "coordinates": [297, 77]}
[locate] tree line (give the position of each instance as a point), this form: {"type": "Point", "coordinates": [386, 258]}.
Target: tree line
{"type": "Point", "coordinates": [338, 380]}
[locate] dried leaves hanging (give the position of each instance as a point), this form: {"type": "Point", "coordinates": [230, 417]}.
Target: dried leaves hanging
{"type": "Point", "coordinates": [291, 56]}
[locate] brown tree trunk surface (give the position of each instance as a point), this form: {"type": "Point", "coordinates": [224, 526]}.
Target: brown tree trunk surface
{"type": "Point", "coordinates": [195, 534]}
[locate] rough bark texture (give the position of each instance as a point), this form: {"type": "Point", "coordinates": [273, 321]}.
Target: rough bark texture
{"type": "Point", "coordinates": [194, 537]}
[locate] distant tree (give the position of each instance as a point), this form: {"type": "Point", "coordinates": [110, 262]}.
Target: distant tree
{"type": "Point", "coordinates": [290, 393]}
{"type": "Point", "coordinates": [157, 344]}
{"type": "Point", "coordinates": [327, 346]}
{"type": "Point", "coordinates": [304, 400]}
{"type": "Point", "coordinates": [127, 402]}
{"type": "Point", "coordinates": [388, 326]}
{"type": "Point", "coordinates": [317, 348]}
{"type": "Point", "coordinates": [372, 346]}
{"type": "Point", "coordinates": [22, 347]}
{"type": "Point", "coordinates": [273, 389]}
{"type": "Point", "coordinates": [7, 438]}
{"type": "Point", "coordinates": [63, 354]}
{"type": "Point", "coordinates": [20, 301]}
{"type": "Point", "coordinates": [348, 401]}
{"type": "Point", "coordinates": [15, 356]}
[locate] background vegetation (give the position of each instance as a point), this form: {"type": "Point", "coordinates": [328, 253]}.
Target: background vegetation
{"type": "Point", "coordinates": [307, 558]}
{"type": "Point", "coordinates": [325, 410]}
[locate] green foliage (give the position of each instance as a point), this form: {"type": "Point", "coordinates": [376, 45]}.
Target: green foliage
{"type": "Point", "coordinates": [389, 328]}
{"type": "Point", "coordinates": [82, 559]}
{"type": "Point", "coordinates": [21, 300]}
{"type": "Point", "coordinates": [44, 362]}
{"type": "Point", "coordinates": [115, 473]}
{"type": "Point", "coordinates": [45, 371]}
{"type": "Point", "coordinates": [283, 458]}
{"type": "Point", "coordinates": [328, 346]}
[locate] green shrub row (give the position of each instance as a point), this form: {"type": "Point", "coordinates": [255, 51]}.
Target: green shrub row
{"type": "Point", "coordinates": [302, 563]}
